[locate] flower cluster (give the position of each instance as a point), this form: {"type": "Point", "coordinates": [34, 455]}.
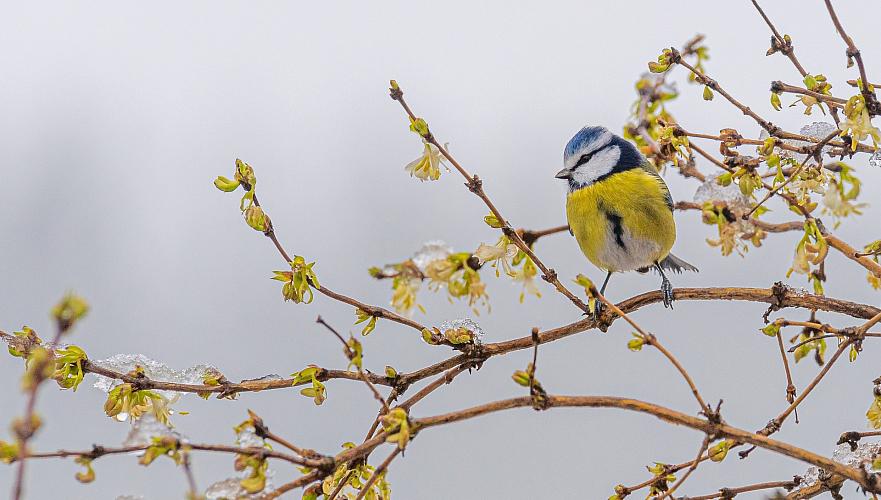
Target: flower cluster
{"type": "Point", "coordinates": [811, 250]}
{"type": "Point", "coordinates": [858, 123]}
{"type": "Point", "coordinates": [124, 401]}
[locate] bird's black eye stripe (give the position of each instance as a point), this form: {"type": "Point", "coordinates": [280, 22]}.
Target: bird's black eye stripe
{"type": "Point", "coordinates": [584, 159]}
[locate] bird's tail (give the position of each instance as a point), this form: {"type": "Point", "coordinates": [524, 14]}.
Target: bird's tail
{"type": "Point", "coordinates": [675, 264]}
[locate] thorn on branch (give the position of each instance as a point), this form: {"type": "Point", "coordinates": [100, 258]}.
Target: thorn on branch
{"type": "Point", "coordinates": [550, 276]}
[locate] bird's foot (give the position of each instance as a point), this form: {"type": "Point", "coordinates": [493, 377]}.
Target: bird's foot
{"type": "Point", "coordinates": [667, 293]}
{"type": "Point", "coordinates": [597, 311]}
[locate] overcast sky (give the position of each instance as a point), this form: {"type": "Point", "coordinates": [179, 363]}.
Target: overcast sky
{"type": "Point", "coordinates": [116, 116]}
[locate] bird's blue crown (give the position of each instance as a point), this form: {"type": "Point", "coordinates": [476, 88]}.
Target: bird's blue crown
{"type": "Point", "coordinates": [585, 137]}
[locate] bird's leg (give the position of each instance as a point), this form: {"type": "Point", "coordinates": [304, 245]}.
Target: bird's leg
{"type": "Point", "coordinates": [666, 288]}
{"type": "Point", "coordinates": [598, 308]}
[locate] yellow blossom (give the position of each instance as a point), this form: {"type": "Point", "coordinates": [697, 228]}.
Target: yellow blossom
{"type": "Point", "coordinates": [404, 294]}
{"type": "Point", "coordinates": [857, 123]}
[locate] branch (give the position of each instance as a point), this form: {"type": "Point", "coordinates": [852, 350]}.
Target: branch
{"type": "Point", "coordinates": [833, 241]}
{"type": "Point", "coordinates": [780, 296]}
{"type": "Point", "coordinates": [793, 89]}
{"type": "Point", "coordinates": [25, 428]}
{"type": "Point", "coordinates": [731, 492]}
{"type": "Point", "coordinates": [100, 451]}
{"type": "Point", "coordinates": [869, 482]}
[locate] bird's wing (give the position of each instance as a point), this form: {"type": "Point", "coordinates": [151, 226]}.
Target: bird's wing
{"type": "Point", "coordinates": [648, 167]}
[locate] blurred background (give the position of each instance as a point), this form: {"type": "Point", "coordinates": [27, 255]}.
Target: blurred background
{"type": "Point", "coordinates": [117, 116]}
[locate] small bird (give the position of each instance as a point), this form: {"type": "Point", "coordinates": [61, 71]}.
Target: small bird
{"type": "Point", "coordinates": [619, 209]}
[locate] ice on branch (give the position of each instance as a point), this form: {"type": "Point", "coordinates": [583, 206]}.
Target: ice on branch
{"type": "Point", "coordinates": [712, 191]}
{"type": "Point", "coordinates": [154, 370]}
{"type": "Point", "coordinates": [815, 130]}
{"type": "Point", "coordinates": [864, 455]}
{"type": "Point", "coordinates": [272, 377]}
{"type": "Point", "coordinates": [430, 252]}
{"type": "Point", "coordinates": [146, 428]}
{"type": "Point", "coordinates": [232, 487]}
{"type": "Point", "coordinates": [461, 325]}
{"type": "Point", "coordinates": [722, 206]}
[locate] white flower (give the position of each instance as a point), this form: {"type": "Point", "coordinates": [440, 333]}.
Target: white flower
{"type": "Point", "coordinates": [427, 166]}
{"type": "Point", "coordinates": [502, 251]}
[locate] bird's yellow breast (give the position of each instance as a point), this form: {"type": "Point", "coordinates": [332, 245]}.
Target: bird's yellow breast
{"type": "Point", "coordinates": [623, 222]}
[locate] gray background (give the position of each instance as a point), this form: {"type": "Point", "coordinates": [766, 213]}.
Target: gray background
{"type": "Point", "coordinates": [116, 116]}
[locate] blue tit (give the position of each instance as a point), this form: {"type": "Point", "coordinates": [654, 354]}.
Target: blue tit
{"type": "Point", "coordinates": [619, 209]}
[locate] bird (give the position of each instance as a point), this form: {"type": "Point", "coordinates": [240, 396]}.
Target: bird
{"type": "Point", "coordinates": [619, 209]}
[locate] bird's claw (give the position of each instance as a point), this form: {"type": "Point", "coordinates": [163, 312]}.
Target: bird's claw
{"type": "Point", "coordinates": [667, 293]}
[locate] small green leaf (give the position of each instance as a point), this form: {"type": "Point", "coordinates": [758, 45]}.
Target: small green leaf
{"type": "Point", "coordinates": [226, 185]}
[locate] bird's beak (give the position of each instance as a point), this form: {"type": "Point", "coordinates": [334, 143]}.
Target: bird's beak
{"type": "Point", "coordinates": [563, 174]}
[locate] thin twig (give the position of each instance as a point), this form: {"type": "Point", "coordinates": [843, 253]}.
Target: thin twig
{"type": "Point", "coordinates": [731, 492]}
{"type": "Point", "coordinates": [790, 387]}
{"type": "Point", "coordinates": [351, 355]}
{"type": "Point", "coordinates": [775, 424]}
{"type": "Point", "coordinates": [872, 104]}
{"type": "Point", "coordinates": [697, 460]}
{"type": "Point", "coordinates": [654, 342]}
{"type": "Point", "coordinates": [816, 154]}
{"type": "Point", "coordinates": [191, 479]}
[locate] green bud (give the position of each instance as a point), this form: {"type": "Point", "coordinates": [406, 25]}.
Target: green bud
{"type": "Point", "coordinates": [492, 221]}
{"type": "Point", "coordinates": [708, 93]}
{"type": "Point", "coordinates": [724, 179]}
{"type": "Point", "coordinates": [772, 329]}
{"type": "Point", "coordinates": [429, 336]}
{"type": "Point", "coordinates": [636, 343]}
{"type": "Point", "coordinates": [257, 219]}
{"type": "Point", "coordinates": [521, 378]}
{"type": "Point", "coordinates": [719, 451]}
{"type": "Point", "coordinates": [245, 173]}
{"type": "Point", "coordinates": [419, 126]}
{"type": "Point", "coordinates": [71, 309]}
{"type": "Point", "coordinates": [810, 82]}
{"type": "Point", "coordinates": [8, 452]}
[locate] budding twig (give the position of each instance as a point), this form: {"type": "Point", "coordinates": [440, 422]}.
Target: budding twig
{"type": "Point", "coordinates": [379, 312]}
{"type": "Point", "coordinates": [351, 355]}
{"type": "Point", "coordinates": [475, 185]}
{"type": "Point", "coordinates": [872, 103]}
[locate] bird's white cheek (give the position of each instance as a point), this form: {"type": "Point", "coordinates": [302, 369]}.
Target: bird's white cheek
{"type": "Point", "coordinates": [601, 164]}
